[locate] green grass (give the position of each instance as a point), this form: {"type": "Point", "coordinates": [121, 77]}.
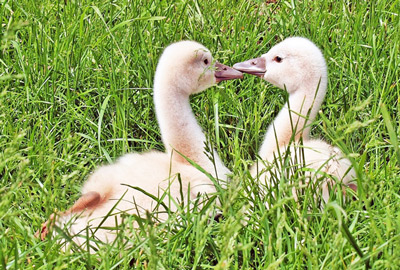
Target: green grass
{"type": "Point", "coordinates": [75, 92]}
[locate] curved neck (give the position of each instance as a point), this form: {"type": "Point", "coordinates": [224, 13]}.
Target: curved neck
{"type": "Point", "coordinates": [294, 120]}
{"type": "Point", "coordinates": [179, 128]}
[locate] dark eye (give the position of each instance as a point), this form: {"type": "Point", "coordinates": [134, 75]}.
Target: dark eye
{"type": "Point", "coordinates": [278, 59]}
{"type": "Point", "coordinates": [205, 61]}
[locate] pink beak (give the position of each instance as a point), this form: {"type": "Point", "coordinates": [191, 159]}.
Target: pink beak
{"type": "Point", "coordinates": [224, 73]}
{"type": "Point", "coordinates": [256, 66]}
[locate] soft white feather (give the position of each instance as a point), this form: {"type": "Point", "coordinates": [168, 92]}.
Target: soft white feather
{"type": "Point", "coordinates": [297, 66]}
{"type": "Point", "coordinates": [184, 68]}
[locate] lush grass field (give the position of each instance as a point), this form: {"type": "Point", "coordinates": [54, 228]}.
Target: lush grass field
{"type": "Point", "coordinates": [75, 92]}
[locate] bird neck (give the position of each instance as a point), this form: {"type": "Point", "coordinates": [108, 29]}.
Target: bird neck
{"type": "Point", "coordinates": [294, 120]}
{"type": "Point", "coordinates": [179, 128]}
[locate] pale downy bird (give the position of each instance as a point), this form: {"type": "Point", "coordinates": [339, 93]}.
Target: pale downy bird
{"type": "Point", "coordinates": [297, 66]}
{"type": "Point", "coordinates": [184, 68]}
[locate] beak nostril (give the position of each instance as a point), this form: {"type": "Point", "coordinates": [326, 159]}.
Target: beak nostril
{"type": "Point", "coordinates": [254, 63]}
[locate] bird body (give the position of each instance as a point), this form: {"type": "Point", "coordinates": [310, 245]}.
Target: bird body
{"type": "Point", "coordinates": [131, 184]}
{"type": "Point", "coordinates": [297, 66]}
{"type": "Point", "coordinates": [123, 188]}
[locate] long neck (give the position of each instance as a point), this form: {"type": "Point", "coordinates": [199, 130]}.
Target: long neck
{"type": "Point", "coordinates": [293, 121]}
{"type": "Point", "coordinates": [180, 130]}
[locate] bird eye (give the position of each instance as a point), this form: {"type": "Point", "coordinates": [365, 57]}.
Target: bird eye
{"type": "Point", "coordinates": [278, 59]}
{"type": "Point", "coordinates": [206, 61]}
